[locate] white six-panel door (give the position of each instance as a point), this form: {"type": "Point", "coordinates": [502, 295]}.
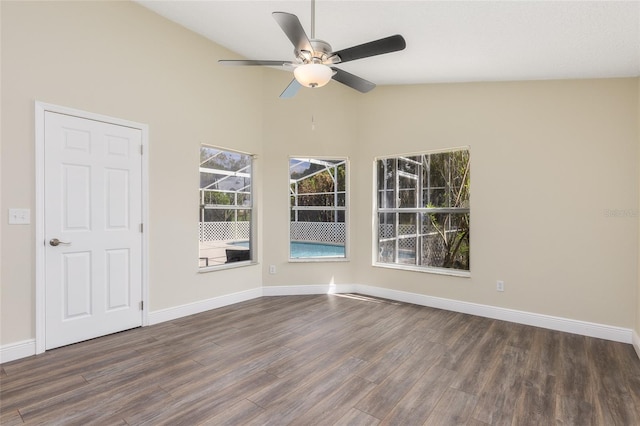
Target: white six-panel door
{"type": "Point", "coordinates": [92, 228]}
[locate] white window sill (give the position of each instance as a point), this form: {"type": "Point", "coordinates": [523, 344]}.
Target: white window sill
{"type": "Point", "coordinates": [437, 271]}
{"type": "Point", "coordinates": [225, 266]}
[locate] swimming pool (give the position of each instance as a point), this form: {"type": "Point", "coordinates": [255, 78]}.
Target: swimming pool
{"type": "Point", "coordinates": [300, 250]}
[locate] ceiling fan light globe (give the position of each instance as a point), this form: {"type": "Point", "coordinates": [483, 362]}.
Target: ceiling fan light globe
{"type": "Point", "coordinates": [313, 75]}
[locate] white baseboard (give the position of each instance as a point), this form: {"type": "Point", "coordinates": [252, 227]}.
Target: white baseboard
{"type": "Point", "coordinates": [608, 332]}
{"type": "Point", "coordinates": [297, 290]}
{"type": "Point", "coordinates": [617, 334]}
{"type": "Point", "coordinates": [17, 350]}
{"type": "Point", "coordinates": [176, 312]}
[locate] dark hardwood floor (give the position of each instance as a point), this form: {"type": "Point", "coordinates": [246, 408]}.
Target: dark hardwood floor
{"type": "Point", "coordinates": [327, 360]}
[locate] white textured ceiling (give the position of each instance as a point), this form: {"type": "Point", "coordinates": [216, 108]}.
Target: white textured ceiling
{"type": "Point", "coordinates": [447, 41]}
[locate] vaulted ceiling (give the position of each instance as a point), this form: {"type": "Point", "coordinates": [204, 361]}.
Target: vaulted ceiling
{"type": "Point", "coordinates": [447, 41]}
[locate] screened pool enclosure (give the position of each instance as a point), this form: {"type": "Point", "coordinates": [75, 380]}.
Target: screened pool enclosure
{"type": "Point", "coordinates": [423, 210]}
{"type": "Point", "coordinates": [225, 216]}
{"type": "Point", "coordinates": [318, 205]}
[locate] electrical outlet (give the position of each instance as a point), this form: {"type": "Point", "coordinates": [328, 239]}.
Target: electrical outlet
{"type": "Point", "coordinates": [272, 269]}
{"type": "Point", "coordinates": [500, 285]}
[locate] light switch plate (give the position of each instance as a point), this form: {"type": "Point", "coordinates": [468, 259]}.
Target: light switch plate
{"type": "Point", "coordinates": [19, 216]}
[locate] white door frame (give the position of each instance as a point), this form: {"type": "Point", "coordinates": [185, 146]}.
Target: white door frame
{"type": "Point", "coordinates": [40, 303]}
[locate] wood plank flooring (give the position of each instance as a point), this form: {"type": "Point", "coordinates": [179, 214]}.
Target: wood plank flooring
{"type": "Point", "coordinates": [327, 360]}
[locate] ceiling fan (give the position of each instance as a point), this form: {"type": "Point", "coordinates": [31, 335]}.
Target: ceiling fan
{"type": "Point", "coordinates": [314, 61]}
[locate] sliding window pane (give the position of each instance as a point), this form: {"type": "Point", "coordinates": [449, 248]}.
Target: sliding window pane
{"type": "Point", "coordinates": [318, 203]}
{"type": "Point", "coordinates": [424, 210]}
{"type": "Point", "coordinates": [225, 219]}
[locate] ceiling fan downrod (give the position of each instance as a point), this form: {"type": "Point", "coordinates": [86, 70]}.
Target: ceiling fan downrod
{"type": "Point", "coordinates": [313, 19]}
{"type": "Point", "coordinates": [321, 53]}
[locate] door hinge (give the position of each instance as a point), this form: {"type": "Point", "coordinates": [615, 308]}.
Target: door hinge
{"type": "Point", "coordinates": [142, 305]}
{"type": "Point", "coordinates": [141, 227]}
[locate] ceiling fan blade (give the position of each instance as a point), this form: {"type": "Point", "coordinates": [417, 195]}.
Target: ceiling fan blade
{"type": "Point", "coordinates": [291, 89]}
{"type": "Point", "coordinates": [353, 81]}
{"type": "Point", "coordinates": [372, 48]}
{"type": "Point", "coordinates": [292, 27]}
{"type": "Point", "coordinates": [254, 62]}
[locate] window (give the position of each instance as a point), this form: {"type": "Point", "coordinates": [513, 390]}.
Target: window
{"type": "Point", "coordinates": [318, 208]}
{"type": "Point", "coordinates": [422, 211]}
{"type": "Point", "coordinates": [225, 207]}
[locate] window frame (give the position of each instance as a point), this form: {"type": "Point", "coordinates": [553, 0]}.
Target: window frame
{"type": "Point", "coordinates": [251, 208]}
{"type": "Point", "coordinates": [335, 209]}
{"type": "Point", "coordinates": [377, 211]}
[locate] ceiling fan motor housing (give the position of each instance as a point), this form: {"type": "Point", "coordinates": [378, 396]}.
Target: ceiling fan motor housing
{"type": "Point", "coordinates": [322, 53]}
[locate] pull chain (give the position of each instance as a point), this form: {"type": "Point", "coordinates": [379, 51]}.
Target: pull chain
{"type": "Point", "coordinates": [314, 104]}
{"type": "Point", "coordinates": [313, 36]}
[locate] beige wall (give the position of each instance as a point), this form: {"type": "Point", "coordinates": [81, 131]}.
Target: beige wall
{"type": "Point", "coordinates": [2, 214]}
{"type": "Point", "coordinates": [554, 187]}
{"type": "Point", "coordinates": [637, 327]}
{"type": "Point", "coordinates": [119, 59]}
{"type": "Point", "coordinates": [548, 159]}
{"type": "Point", "coordinates": [288, 131]}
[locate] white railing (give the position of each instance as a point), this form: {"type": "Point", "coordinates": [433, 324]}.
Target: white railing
{"type": "Point", "coordinates": [387, 230]}
{"type": "Point", "coordinates": [407, 233]}
{"type": "Point", "coordinates": [321, 232]}
{"type": "Point", "coordinates": [216, 231]}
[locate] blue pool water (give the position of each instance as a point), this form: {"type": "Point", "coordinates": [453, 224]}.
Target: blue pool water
{"type": "Point", "coordinates": [240, 244]}
{"type": "Point", "coordinates": [301, 250]}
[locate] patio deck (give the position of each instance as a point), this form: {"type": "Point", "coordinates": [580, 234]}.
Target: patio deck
{"type": "Point", "coordinates": [214, 253]}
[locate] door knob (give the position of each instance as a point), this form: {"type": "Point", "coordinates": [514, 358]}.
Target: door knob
{"type": "Point", "coordinates": [56, 242]}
